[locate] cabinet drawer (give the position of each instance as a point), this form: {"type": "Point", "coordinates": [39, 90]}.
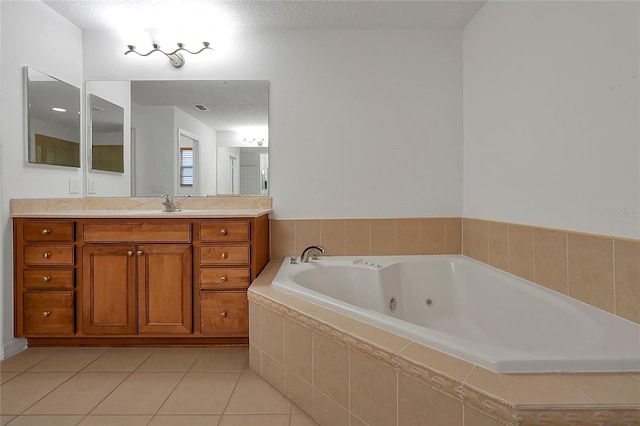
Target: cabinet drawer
{"type": "Point", "coordinates": [219, 277]}
{"type": "Point", "coordinates": [225, 255]}
{"type": "Point", "coordinates": [49, 312]}
{"type": "Point", "coordinates": [48, 231]}
{"type": "Point", "coordinates": [224, 312]}
{"type": "Point", "coordinates": [48, 278]}
{"type": "Point", "coordinates": [137, 233]}
{"type": "Point", "coordinates": [48, 255]}
{"type": "Point", "coordinates": [225, 231]}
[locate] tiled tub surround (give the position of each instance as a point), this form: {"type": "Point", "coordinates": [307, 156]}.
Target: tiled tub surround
{"type": "Point", "coordinates": [345, 372]}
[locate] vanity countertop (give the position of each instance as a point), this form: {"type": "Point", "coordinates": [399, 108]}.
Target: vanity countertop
{"type": "Point", "coordinates": [155, 214]}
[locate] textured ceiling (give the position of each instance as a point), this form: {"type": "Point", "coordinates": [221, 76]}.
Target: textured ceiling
{"type": "Point", "coordinates": [260, 15]}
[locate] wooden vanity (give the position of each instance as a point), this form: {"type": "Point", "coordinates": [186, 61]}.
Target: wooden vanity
{"type": "Point", "coordinates": [136, 279]}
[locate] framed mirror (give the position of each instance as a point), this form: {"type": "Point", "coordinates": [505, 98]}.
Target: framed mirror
{"type": "Point", "coordinates": [106, 135]}
{"type": "Point", "coordinates": [53, 120]}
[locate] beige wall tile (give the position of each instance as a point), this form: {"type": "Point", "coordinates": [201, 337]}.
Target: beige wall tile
{"type": "Point", "coordinates": [358, 237]}
{"type": "Point", "coordinates": [373, 387]}
{"type": "Point", "coordinates": [407, 236]}
{"type": "Point", "coordinates": [381, 338]}
{"type": "Point", "coordinates": [474, 418]}
{"type": "Point", "coordinates": [273, 372]}
{"type": "Point", "coordinates": [521, 251]}
{"type": "Point", "coordinates": [499, 245]}
{"type": "Point", "coordinates": [272, 327]}
{"type": "Point", "coordinates": [418, 402]}
{"type": "Point", "coordinates": [283, 238]}
{"type": "Point", "coordinates": [550, 254]}
{"type": "Point", "coordinates": [481, 240]}
{"type": "Point", "coordinates": [333, 236]}
{"type": "Point", "coordinates": [297, 349]}
{"type": "Point", "coordinates": [299, 391]}
{"type": "Point", "coordinates": [436, 360]}
{"type": "Point", "coordinates": [328, 412]}
{"type": "Point", "coordinates": [453, 229]}
{"type": "Point", "coordinates": [433, 236]}
{"type": "Point", "coordinates": [307, 234]}
{"type": "Point", "coordinates": [467, 237]}
{"type": "Point", "coordinates": [627, 281]}
{"type": "Point", "coordinates": [590, 265]}
{"type": "Point", "coordinates": [255, 334]}
{"type": "Point", "coordinates": [383, 237]}
{"type": "Point", "coordinates": [608, 388]}
{"type": "Point", "coordinates": [331, 368]}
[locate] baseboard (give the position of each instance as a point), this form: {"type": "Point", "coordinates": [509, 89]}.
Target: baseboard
{"type": "Point", "coordinates": [12, 348]}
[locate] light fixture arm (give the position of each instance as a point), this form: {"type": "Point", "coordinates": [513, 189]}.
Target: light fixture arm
{"type": "Point", "coordinates": [175, 58]}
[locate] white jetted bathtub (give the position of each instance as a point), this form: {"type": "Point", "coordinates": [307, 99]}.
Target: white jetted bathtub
{"type": "Point", "coordinates": [469, 310]}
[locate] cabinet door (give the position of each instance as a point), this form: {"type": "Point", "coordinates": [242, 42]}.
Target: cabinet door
{"type": "Point", "coordinates": [164, 287]}
{"type": "Point", "coordinates": [109, 290]}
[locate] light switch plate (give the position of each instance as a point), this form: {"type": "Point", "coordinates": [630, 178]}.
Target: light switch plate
{"type": "Point", "coordinates": [74, 186]}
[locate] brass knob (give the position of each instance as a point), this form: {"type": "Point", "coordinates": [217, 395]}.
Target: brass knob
{"type": "Point", "coordinates": [46, 278]}
{"type": "Point", "coordinates": [46, 314]}
{"type": "Point", "coordinates": [223, 279]}
{"type": "Point", "coordinates": [46, 231]}
{"type": "Point", "coordinates": [223, 314]}
{"type": "Point", "coordinates": [224, 255]}
{"type": "Point", "coordinates": [223, 231]}
{"type": "Point", "coordinates": [129, 253]}
{"type": "Point", "coordinates": [139, 252]}
{"type": "Point", "coordinates": [46, 255]}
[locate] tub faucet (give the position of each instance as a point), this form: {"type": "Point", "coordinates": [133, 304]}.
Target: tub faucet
{"type": "Point", "coordinates": [312, 251]}
{"type": "Point", "coordinates": [167, 202]}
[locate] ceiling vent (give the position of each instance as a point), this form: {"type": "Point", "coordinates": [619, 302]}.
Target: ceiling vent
{"type": "Point", "coordinates": [201, 107]}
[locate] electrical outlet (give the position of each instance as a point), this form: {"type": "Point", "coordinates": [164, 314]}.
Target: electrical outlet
{"type": "Point", "coordinates": [91, 189]}
{"type": "Point", "coordinates": [74, 186]}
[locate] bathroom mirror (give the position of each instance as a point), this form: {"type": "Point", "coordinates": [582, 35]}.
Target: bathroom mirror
{"type": "Point", "coordinates": [106, 121]}
{"type": "Point", "coordinates": [53, 120]}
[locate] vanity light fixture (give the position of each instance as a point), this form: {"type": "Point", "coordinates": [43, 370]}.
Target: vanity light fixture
{"type": "Point", "coordinates": [175, 58]}
{"type": "Point", "coordinates": [257, 141]}
{"type": "Point", "coordinates": [58, 109]}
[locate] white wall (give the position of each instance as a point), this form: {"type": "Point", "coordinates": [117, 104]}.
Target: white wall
{"type": "Point", "coordinates": [362, 123]}
{"type": "Point", "coordinates": [223, 169]}
{"type": "Point", "coordinates": [112, 184]}
{"type": "Point", "coordinates": [551, 117]}
{"type": "Point", "coordinates": [27, 30]}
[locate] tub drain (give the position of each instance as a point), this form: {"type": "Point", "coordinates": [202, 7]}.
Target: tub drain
{"type": "Point", "coordinates": [393, 304]}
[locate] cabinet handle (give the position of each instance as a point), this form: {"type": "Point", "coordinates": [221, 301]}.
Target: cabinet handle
{"type": "Point", "coordinates": [46, 255]}
{"type": "Point", "coordinates": [46, 278]}
{"type": "Point", "coordinates": [129, 253]}
{"type": "Point", "coordinates": [223, 231]}
{"type": "Point", "coordinates": [223, 279]}
{"type": "Point", "coordinates": [46, 231]}
{"type": "Point", "coordinates": [139, 252]}
{"type": "Point", "coordinates": [46, 314]}
{"type": "Point", "coordinates": [224, 255]}
{"type": "Point", "coordinates": [223, 314]}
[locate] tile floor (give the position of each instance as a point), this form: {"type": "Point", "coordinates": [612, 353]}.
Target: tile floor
{"type": "Point", "coordinates": [140, 386]}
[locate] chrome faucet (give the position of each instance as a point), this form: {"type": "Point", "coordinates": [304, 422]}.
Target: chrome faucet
{"type": "Point", "coordinates": [167, 202]}
{"type": "Point", "coordinates": [312, 251]}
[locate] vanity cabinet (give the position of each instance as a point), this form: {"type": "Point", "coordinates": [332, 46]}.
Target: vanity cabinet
{"type": "Point", "coordinates": [142, 281]}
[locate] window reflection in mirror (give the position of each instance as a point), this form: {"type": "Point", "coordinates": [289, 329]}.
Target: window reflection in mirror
{"type": "Point", "coordinates": [53, 120]}
{"type": "Point", "coordinates": [107, 135]}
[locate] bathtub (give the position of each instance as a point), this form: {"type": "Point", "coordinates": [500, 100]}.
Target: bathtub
{"type": "Point", "coordinates": [470, 310]}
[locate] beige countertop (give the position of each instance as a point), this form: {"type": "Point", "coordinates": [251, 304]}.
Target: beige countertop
{"type": "Point", "coordinates": [155, 214]}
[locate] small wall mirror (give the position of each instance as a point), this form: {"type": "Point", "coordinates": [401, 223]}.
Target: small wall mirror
{"type": "Point", "coordinates": [53, 120]}
{"type": "Point", "coordinates": [107, 135]}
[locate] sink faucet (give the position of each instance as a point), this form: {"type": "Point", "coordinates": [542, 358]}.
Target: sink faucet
{"type": "Point", "coordinates": [312, 251]}
{"type": "Point", "coordinates": [167, 202]}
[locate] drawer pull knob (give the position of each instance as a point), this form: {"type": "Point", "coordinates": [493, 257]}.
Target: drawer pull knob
{"type": "Point", "coordinates": [139, 252]}
{"type": "Point", "coordinates": [46, 278]}
{"type": "Point", "coordinates": [223, 314]}
{"type": "Point", "coordinates": [224, 255]}
{"type": "Point", "coordinates": [129, 253]}
{"type": "Point", "coordinates": [46, 255]}
{"type": "Point", "coordinates": [46, 314]}
{"type": "Point", "coordinates": [223, 231]}
{"type": "Point", "coordinates": [223, 279]}
{"type": "Point", "coordinates": [46, 231]}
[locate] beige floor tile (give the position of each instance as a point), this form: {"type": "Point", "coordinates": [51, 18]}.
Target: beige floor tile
{"type": "Point", "coordinates": [185, 420]}
{"type": "Point", "coordinates": [201, 393]}
{"type": "Point", "coordinates": [46, 420]}
{"type": "Point", "coordinates": [140, 393]}
{"type": "Point", "coordinates": [328, 412]}
{"type": "Point", "coordinates": [120, 359]}
{"type": "Point", "coordinates": [26, 359]}
{"type": "Point", "coordinates": [5, 419]}
{"type": "Point", "coordinates": [6, 376]}
{"type": "Point", "coordinates": [222, 359]}
{"type": "Point", "coordinates": [171, 359]}
{"type": "Point", "coordinates": [23, 391]}
{"type": "Point", "coordinates": [302, 420]}
{"type": "Point", "coordinates": [255, 420]}
{"type": "Point", "coordinates": [69, 359]}
{"type": "Point", "coordinates": [356, 421]}
{"type": "Point", "coordinates": [117, 420]}
{"type": "Point", "coordinates": [78, 395]}
{"type": "Point", "coordinates": [253, 395]}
